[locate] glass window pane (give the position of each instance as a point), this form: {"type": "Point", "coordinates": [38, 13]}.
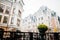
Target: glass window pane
{"type": "Point", "coordinates": [53, 13]}
{"type": "Point", "coordinates": [18, 22]}
{"type": "Point", "coordinates": [41, 18]}
{"type": "Point", "coordinates": [7, 12]}
{"type": "Point", "coordinates": [5, 19]}
{"type": "Point", "coordinates": [12, 20]}
{"type": "Point", "coordinates": [1, 7]}
{"type": "Point", "coordinates": [1, 10]}
{"type": "Point", "coordinates": [13, 10]}
{"type": "Point", "coordinates": [19, 13]}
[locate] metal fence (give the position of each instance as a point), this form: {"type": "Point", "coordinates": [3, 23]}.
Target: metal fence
{"type": "Point", "coordinates": [7, 35]}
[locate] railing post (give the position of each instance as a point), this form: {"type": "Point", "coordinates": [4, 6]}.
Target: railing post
{"type": "Point", "coordinates": [1, 34]}
{"type": "Point", "coordinates": [42, 36]}
{"type": "Point", "coordinates": [12, 35]}
{"type": "Point", "coordinates": [31, 35]}
{"type": "Point", "coordinates": [56, 36]}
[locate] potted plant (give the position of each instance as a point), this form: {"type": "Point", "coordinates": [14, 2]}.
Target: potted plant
{"type": "Point", "coordinates": [42, 28]}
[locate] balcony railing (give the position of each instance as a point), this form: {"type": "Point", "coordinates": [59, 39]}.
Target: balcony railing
{"type": "Point", "coordinates": [8, 35]}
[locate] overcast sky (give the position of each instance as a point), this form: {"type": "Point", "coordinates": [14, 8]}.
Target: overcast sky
{"type": "Point", "coordinates": [31, 6]}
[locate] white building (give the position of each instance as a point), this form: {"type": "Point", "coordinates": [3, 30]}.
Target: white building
{"type": "Point", "coordinates": [10, 14]}
{"type": "Point", "coordinates": [43, 16]}
{"type": "Point", "coordinates": [27, 24]}
{"type": "Point", "coordinates": [48, 17]}
{"type": "Point", "coordinates": [59, 22]}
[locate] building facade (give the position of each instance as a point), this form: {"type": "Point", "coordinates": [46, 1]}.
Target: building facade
{"type": "Point", "coordinates": [43, 16]}
{"type": "Point", "coordinates": [59, 23]}
{"type": "Point", "coordinates": [27, 24]}
{"type": "Point", "coordinates": [10, 14]}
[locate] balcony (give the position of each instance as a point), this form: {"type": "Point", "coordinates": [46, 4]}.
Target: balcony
{"type": "Point", "coordinates": [18, 35]}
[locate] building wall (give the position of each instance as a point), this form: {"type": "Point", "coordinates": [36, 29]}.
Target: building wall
{"type": "Point", "coordinates": [43, 16]}
{"type": "Point", "coordinates": [10, 13]}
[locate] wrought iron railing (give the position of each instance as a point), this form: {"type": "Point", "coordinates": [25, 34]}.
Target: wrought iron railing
{"type": "Point", "coordinates": [7, 35]}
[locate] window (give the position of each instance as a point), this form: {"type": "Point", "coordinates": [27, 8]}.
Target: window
{"type": "Point", "coordinates": [0, 17]}
{"type": "Point", "coordinates": [59, 19]}
{"type": "Point", "coordinates": [20, 3]}
{"type": "Point", "coordinates": [1, 10]}
{"type": "Point", "coordinates": [18, 22]}
{"type": "Point", "coordinates": [5, 19]}
{"type": "Point", "coordinates": [7, 12]}
{"type": "Point", "coordinates": [41, 18]}
{"type": "Point", "coordinates": [1, 7]}
{"type": "Point", "coordinates": [33, 18]}
{"type": "Point", "coordinates": [13, 11]}
{"type": "Point", "coordinates": [7, 9]}
{"type": "Point", "coordinates": [53, 14]}
{"type": "Point", "coordinates": [48, 17]}
{"type": "Point", "coordinates": [12, 20]}
{"type": "Point", "coordinates": [19, 13]}
{"type": "Point", "coordinates": [45, 9]}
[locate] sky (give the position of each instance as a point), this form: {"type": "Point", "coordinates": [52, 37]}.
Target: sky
{"type": "Point", "coordinates": [31, 6]}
